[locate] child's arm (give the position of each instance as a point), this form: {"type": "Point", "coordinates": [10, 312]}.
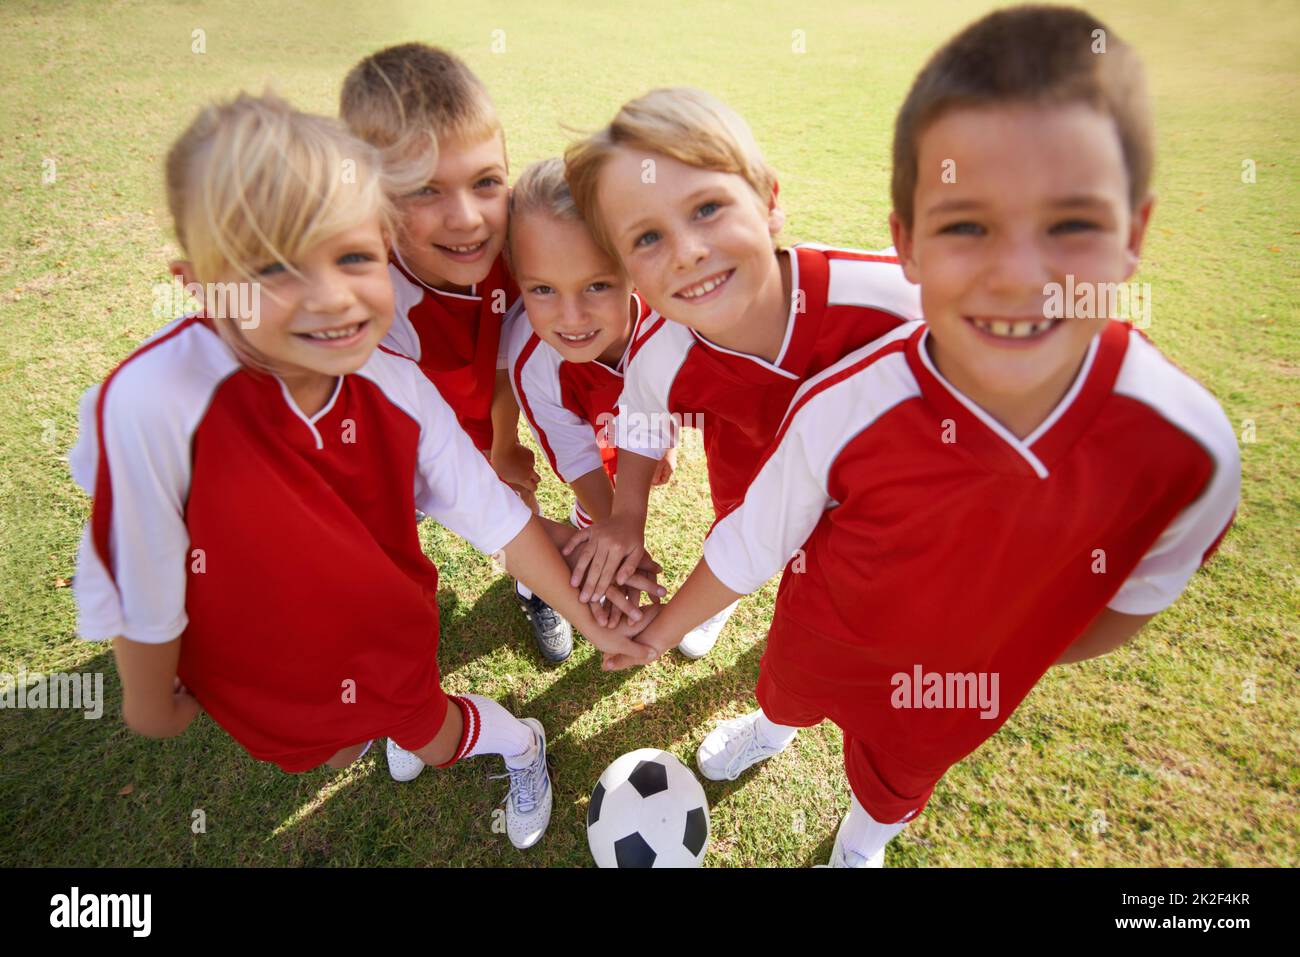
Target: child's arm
{"type": "Point", "coordinates": [595, 493]}
{"type": "Point", "coordinates": [1108, 631]}
{"type": "Point", "coordinates": [1184, 546]}
{"type": "Point", "coordinates": [624, 600]}
{"type": "Point", "coordinates": [511, 460]}
{"type": "Point", "coordinates": [702, 597]}
{"type": "Point", "coordinates": [154, 703]}
{"type": "Point", "coordinates": [458, 489]}
{"type": "Point", "coordinates": [612, 549]}
{"type": "Point", "coordinates": [667, 466]}
{"type": "Point", "coordinates": [533, 558]}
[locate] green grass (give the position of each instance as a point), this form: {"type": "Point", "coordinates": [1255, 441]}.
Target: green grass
{"type": "Point", "coordinates": [1157, 740]}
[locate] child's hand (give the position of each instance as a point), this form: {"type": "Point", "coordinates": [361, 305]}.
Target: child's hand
{"type": "Point", "coordinates": [658, 640]}
{"type": "Point", "coordinates": [611, 551]}
{"type": "Point", "coordinates": [163, 722]}
{"type": "Point", "coordinates": [620, 645]}
{"type": "Point", "coordinates": [527, 497]}
{"type": "Point", "coordinates": [621, 600]}
{"type": "Point", "coordinates": [514, 466]}
{"type": "Point", "coordinates": [664, 470]}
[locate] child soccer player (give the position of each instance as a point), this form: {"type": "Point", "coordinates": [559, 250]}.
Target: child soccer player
{"type": "Point", "coordinates": [676, 188]}
{"type": "Point", "coordinates": [567, 350]}
{"type": "Point", "coordinates": [975, 498]}
{"type": "Point", "coordinates": [434, 121]}
{"type": "Point", "coordinates": [252, 548]}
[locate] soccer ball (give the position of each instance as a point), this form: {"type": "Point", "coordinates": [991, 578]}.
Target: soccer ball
{"type": "Point", "coordinates": [648, 810]}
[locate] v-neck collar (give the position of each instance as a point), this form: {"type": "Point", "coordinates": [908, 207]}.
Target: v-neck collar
{"type": "Point", "coordinates": [409, 273]}
{"type": "Point", "coordinates": [792, 318]}
{"type": "Point", "coordinates": [310, 421]}
{"type": "Point", "coordinates": [977, 432]}
{"type": "Point", "coordinates": [621, 366]}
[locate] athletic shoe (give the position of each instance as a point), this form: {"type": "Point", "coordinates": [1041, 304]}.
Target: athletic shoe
{"type": "Point", "coordinates": [732, 747]}
{"type": "Point", "coordinates": [699, 641]}
{"type": "Point", "coordinates": [528, 804]}
{"type": "Point", "coordinates": [554, 635]}
{"type": "Point", "coordinates": [402, 764]}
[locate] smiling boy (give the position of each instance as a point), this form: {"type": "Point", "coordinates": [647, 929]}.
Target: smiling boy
{"type": "Point", "coordinates": [995, 490]}
{"type": "Point", "coordinates": [445, 158]}
{"type": "Point", "coordinates": [677, 190]}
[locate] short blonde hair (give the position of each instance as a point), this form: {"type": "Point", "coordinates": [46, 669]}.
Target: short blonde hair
{"type": "Point", "coordinates": [686, 124]}
{"type": "Point", "coordinates": [252, 180]}
{"type": "Point", "coordinates": [541, 188]}
{"type": "Point", "coordinates": [405, 98]}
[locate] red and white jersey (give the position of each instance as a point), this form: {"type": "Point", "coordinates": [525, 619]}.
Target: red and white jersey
{"type": "Point", "coordinates": [840, 300]}
{"type": "Point", "coordinates": [569, 405]}
{"type": "Point", "coordinates": [280, 547]}
{"type": "Point", "coordinates": [455, 338]}
{"type": "Point", "coordinates": [932, 540]}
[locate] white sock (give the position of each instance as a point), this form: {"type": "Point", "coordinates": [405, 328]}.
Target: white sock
{"type": "Point", "coordinates": [773, 735]}
{"type": "Point", "coordinates": [862, 833]}
{"type": "Point", "coordinates": [524, 591]}
{"type": "Point", "coordinates": [491, 729]}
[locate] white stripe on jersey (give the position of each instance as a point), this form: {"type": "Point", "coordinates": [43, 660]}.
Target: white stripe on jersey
{"type": "Point", "coordinates": [787, 497]}
{"type": "Point", "coordinates": [1148, 377]}
{"type": "Point", "coordinates": [644, 425]}
{"type": "Point", "coordinates": [569, 436]}
{"type": "Point", "coordinates": [875, 285]}
{"type": "Point", "coordinates": [401, 336]}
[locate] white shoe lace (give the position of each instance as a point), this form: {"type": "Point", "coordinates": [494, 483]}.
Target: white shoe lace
{"type": "Point", "coordinates": [522, 788]}
{"type": "Point", "coordinates": [752, 749]}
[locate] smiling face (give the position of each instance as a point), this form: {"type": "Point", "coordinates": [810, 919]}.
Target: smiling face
{"type": "Point", "coordinates": [576, 296]}
{"type": "Point", "coordinates": [696, 243]}
{"type": "Point", "coordinates": [328, 319]}
{"type": "Point", "coordinates": [1039, 193]}
{"type": "Point", "coordinates": [454, 226]}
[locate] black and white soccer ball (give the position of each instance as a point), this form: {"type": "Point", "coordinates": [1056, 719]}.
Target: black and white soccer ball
{"type": "Point", "coordinates": [648, 810]}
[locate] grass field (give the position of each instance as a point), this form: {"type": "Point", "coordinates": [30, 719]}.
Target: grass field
{"type": "Point", "coordinates": [1180, 749]}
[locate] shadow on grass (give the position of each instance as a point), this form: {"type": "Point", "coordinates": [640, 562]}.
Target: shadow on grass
{"type": "Point", "coordinates": [77, 792]}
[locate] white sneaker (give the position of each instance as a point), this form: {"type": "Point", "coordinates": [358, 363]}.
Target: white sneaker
{"type": "Point", "coordinates": [732, 747]}
{"type": "Point", "coordinates": [402, 764]}
{"type": "Point", "coordinates": [841, 856]}
{"type": "Point", "coordinates": [699, 641]}
{"type": "Point", "coordinates": [528, 804]}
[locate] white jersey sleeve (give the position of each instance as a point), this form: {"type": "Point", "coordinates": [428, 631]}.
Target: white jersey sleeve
{"type": "Point", "coordinates": [790, 492]}
{"type": "Point", "coordinates": [401, 336]}
{"type": "Point", "coordinates": [510, 322]}
{"type": "Point", "coordinates": [1169, 564]}
{"type": "Point", "coordinates": [137, 589]}
{"type": "Point", "coordinates": [566, 438]}
{"type": "Point", "coordinates": [454, 484]}
{"type": "Point", "coordinates": [645, 425]}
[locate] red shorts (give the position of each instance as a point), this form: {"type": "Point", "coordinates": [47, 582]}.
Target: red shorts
{"type": "Point", "coordinates": [891, 799]}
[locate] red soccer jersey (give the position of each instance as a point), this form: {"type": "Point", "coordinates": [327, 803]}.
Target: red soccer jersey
{"type": "Point", "coordinates": [569, 405]}
{"type": "Point", "coordinates": [455, 338]}
{"type": "Point", "coordinates": [840, 300]}
{"type": "Point", "coordinates": [930, 541]}
{"type": "Point", "coordinates": [281, 548]}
